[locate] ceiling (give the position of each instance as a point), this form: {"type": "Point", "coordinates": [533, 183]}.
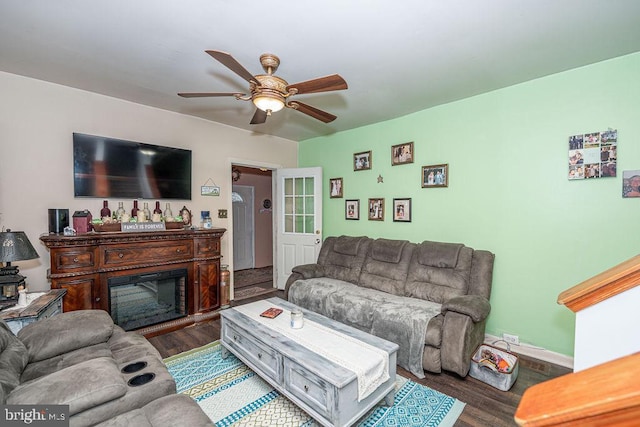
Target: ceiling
{"type": "Point", "coordinates": [397, 57]}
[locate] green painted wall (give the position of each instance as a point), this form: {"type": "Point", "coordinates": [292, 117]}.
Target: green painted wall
{"type": "Point", "coordinates": [508, 188]}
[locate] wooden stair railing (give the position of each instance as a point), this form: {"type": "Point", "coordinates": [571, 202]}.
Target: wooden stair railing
{"type": "Point", "coordinates": [604, 395]}
{"type": "Point", "coordinates": [613, 281]}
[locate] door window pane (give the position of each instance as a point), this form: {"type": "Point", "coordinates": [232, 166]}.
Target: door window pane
{"type": "Point", "coordinates": [299, 205]}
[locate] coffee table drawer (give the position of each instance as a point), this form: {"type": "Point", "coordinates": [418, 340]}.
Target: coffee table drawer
{"type": "Point", "coordinates": [314, 391]}
{"type": "Point", "coordinates": [266, 359]}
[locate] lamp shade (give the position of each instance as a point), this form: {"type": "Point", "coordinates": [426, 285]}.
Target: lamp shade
{"type": "Point", "coordinates": [15, 246]}
{"type": "Point", "coordinates": [268, 101]}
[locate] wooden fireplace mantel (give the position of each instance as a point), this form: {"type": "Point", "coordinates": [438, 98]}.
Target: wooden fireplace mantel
{"type": "Point", "coordinates": [84, 263]}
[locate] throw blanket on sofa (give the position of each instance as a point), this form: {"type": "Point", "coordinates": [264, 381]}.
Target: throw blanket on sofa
{"type": "Point", "coordinates": [395, 318]}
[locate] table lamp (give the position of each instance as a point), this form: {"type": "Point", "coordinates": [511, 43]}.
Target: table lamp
{"type": "Point", "coordinates": [14, 246]}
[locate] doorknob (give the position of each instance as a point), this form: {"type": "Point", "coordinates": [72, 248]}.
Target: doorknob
{"type": "Point", "coordinates": [317, 241]}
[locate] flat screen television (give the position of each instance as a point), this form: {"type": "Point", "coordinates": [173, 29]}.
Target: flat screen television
{"type": "Point", "coordinates": [108, 167]}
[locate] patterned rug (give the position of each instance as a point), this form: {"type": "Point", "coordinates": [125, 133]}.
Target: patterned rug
{"type": "Point", "coordinates": [233, 395]}
{"type": "Point", "coordinates": [252, 291]}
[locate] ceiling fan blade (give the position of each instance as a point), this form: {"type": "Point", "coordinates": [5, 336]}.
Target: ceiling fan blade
{"type": "Point", "coordinates": [323, 116]}
{"type": "Point", "coordinates": [207, 94]}
{"type": "Point", "coordinates": [230, 62]}
{"type": "Point", "coordinates": [259, 117]}
{"type": "Point", "coordinates": [321, 84]}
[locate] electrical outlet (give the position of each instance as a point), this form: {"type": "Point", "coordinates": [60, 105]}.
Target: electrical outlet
{"type": "Point", "coordinates": [511, 339]}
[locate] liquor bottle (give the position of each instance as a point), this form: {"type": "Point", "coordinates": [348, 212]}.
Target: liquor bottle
{"type": "Point", "coordinates": [157, 210]}
{"type": "Point", "coordinates": [167, 212]}
{"type": "Point", "coordinates": [105, 211]}
{"type": "Point", "coordinates": [147, 212]}
{"type": "Point", "coordinates": [134, 211]}
{"type": "Point", "coordinates": [120, 211]}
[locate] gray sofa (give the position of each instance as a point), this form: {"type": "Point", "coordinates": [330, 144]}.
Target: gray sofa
{"type": "Point", "coordinates": [81, 359]}
{"type": "Point", "coordinates": [432, 298]}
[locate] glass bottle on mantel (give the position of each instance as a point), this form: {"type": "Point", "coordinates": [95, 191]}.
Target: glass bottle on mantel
{"type": "Point", "coordinates": [105, 211]}
{"type": "Point", "coordinates": [157, 210]}
{"type": "Point", "coordinates": [120, 211]}
{"type": "Point", "coordinates": [134, 211]}
{"type": "Point", "coordinates": [167, 212]}
{"type": "Point", "coordinates": [147, 212]}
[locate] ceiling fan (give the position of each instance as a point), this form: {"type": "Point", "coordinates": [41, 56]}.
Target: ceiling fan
{"type": "Point", "coordinates": [270, 93]}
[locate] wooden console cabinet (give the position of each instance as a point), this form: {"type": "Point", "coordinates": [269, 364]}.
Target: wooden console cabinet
{"type": "Point", "coordinates": [83, 264]}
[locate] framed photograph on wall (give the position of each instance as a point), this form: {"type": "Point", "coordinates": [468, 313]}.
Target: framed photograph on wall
{"type": "Point", "coordinates": [402, 210]}
{"type": "Point", "coordinates": [352, 209]}
{"type": "Point", "coordinates": [402, 154]}
{"type": "Point", "coordinates": [435, 176]}
{"type": "Point", "coordinates": [335, 186]}
{"type": "Point", "coordinates": [362, 161]}
{"type": "Point", "coordinates": [631, 183]}
{"type": "Point", "coordinates": [376, 209]}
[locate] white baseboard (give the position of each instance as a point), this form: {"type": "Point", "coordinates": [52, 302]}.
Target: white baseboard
{"type": "Point", "coordinates": [535, 352]}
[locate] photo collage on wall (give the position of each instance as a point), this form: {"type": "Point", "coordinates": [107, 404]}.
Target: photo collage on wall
{"type": "Point", "coordinates": [593, 155]}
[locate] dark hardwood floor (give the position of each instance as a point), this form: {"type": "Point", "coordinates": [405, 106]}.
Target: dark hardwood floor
{"type": "Point", "coordinates": [485, 405]}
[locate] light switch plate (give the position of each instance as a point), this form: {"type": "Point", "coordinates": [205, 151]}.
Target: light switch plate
{"type": "Point", "coordinates": [222, 213]}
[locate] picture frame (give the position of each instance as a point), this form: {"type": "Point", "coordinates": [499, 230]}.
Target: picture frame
{"type": "Point", "coordinates": [402, 154]}
{"type": "Point", "coordinates": [376, 209]}
{"type": "Point", "coordinates": [335, 188]}
{"type": "Point", "coordinates": [631, 183]}
{"type": "Point", "coordinates": [362, 161]}
{"type": "Point", "coordinates": [352, 209]}
{"type": "Point", "coordinates": [434, 176]}
{"type": "Point", "coordinates": [402, 210]}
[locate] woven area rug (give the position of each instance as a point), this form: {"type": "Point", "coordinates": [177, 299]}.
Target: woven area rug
{"type": "Point", "coordinates": [233, 395]}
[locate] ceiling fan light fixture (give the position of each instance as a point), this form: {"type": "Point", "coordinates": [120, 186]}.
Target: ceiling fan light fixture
{"type": "Point", "coordinates": [268, 102]}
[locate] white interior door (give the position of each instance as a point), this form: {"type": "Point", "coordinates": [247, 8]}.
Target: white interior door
{"type": "Point", "coordinates": [243, 227]}
{"type": "Point", "coordinates": [298, 220]}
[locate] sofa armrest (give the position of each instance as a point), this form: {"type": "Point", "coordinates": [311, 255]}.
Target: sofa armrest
{"type": "Point", "coordinates": [65, 332]}
{"type": "Point", "coordinates": [474, 306]}
{"type": "Point", "coordinates": [309, 271]}
{"type": "Point", "coordinates": [301, 272]}
{"type": "Point", "coordinates": [82, 386]}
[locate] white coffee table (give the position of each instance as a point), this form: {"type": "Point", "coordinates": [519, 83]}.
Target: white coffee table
{"type": "Point", "coordinates": [325, 390]}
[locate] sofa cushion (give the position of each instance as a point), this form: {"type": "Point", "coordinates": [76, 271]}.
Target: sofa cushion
{"type": "Point", "coordinates": [61, 334]}
{"type": "Point", "coordinates": [439, 254]}
{"type": "Point", "coordinates": [13, 359]}
{"type": "Point", "coordinates": [45, 367]}
{"type": "Point", "coordinates": [82, 386]}
{"type": "Point", "coordinates": [341, 265]}
{"type": "Point", "coordinates": [438, 284]}
{"type": "Point", "coordinates": [387, 266]}
{"type": "Point", "coordinates": [348, 245]}
{"type": "Point", "coordinates": [173, 410]}
{"type": "Point", "coordinates": [387, 250]}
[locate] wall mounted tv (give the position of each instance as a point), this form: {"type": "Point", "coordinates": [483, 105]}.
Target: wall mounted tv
{"type": "Point", "coordinates": [108, 167]}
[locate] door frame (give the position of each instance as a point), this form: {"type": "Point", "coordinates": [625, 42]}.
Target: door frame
{"type": "Point", "coordinates": [231, 162]}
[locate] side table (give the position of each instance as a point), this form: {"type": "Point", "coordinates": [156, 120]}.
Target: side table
{"type": "Point", "coordinates": [43, 307]}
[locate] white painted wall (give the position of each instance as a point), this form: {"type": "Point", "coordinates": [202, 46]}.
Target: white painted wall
{"type": "Point", "coordinates": [37, 120]}
{"type": "Point", "coordinates": [608, 330]}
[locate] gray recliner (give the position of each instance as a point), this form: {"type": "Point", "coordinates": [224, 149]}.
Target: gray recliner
{"type": "Point", "coordinates": [83, 360]}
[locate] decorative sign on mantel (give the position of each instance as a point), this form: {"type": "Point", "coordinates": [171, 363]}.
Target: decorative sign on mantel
{"type": "Point", "coordinates": [143, 226]}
